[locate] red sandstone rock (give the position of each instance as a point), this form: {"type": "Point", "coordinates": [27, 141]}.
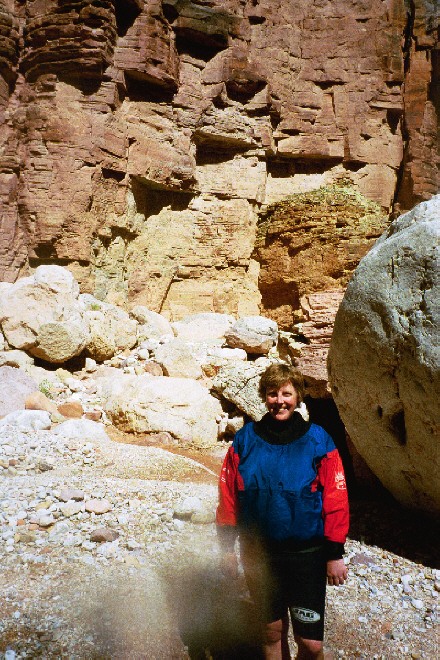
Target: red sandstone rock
{"type": "Point", "coordinates": [128, 115]}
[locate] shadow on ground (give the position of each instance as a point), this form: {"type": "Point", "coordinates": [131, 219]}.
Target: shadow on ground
{"type": "Point", "coordinates": [385, 523]}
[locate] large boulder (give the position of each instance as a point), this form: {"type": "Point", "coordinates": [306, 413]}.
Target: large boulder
{"type": "Point", "coordinates": [238, 384]}
{"type": "Point", "coordinates": [147, 404]}
{"type": "Point", "coordinates": [41, 314]}
{"type": "Point", "coordinates": [151, 324]}
{"type": "Point", "coordinates": [194, 359]}
{"type": "Point", "coordinates": [15, 387]}
{"type": "Point", "coordinates": [254, 334]}
{"type": "Point", "coordinates": [384, 362]}
{"type": "Point", "coordinates": [203, 327]}
{"type": "Point", "coordinates": [177, 360]}
{"type": "Point", "coordinates": [111, 328]}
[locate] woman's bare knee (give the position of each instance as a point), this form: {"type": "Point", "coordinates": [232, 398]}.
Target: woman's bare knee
{"type": "Point", "coordinates": [309, 649]}
{"type": "Point", "coordinates": [273, 632]}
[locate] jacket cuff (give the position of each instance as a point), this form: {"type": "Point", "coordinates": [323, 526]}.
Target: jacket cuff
{"type": "Point", "coordinates": [226, 535]}
{"type": "Point", "coordinates": [334, 550]}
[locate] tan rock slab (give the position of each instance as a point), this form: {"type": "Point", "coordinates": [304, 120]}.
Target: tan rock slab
{"type": "Point", "coordinates": [98, 506]}
{"type": "Point", "coordinates": [71, 409]}
{"type": "Point", "coordinates": [39, 401]}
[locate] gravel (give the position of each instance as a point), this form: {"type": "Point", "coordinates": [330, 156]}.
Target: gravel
{"type": "Point", "coordinates": [108, 550]}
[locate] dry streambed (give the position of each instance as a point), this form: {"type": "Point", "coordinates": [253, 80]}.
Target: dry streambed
{"type": "Point", "coordinates": [108, 550]}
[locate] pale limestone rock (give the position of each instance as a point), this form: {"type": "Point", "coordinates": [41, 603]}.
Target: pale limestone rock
{"type": "Point", "coordinates": [27, 420]}
{"type": "Point", "coordinates": [254, 334]}
{"type": "Point", "coordinates": [238, 383]}
{"type": "Point", "coordinates": [151, 324]}
{"type": "Point", "coordinates": [56, 279]}
{"type": "Point", "coordinates": [59, 341]}
{"type": "Point", "coordinates": [15, 358]}
{"type": "Point", "coordinates": [71, 508]}
{"type": "Point", "coordinates": [47, 381]}
{"type": "Point", "coordinates": [180, 406]}
{"type": "Point", "coordinates": [203, 327]}
{"type": "Point", "coordinates": [84, 429]}
{"type": "Point", "coordinates": [176, 359]}
{"type": "Point", "coordinates": [67, 494]}
{"type": "Point", "coordinates": [183, 358]}
{"type": "Point", "coordinates": [186, 508]}
{"type": "Point", "coordinates": [15, 386]}
{"type": "Point", "coordinates": [42, 315]}
{"type": "Point", "coordinates": [111, 329]}
{"type": "Point", "coordinates": [384, 362]}
{"type": "Point", "coordinates": [211, 358]}
{"type": "Point", "coordinates": [98, 506]}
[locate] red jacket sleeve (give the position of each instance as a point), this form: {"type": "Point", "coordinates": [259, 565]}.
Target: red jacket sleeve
{"type": "Point", "coordinates": [228, 489]}
{"type": "Point", "coordinates": [335, 510]}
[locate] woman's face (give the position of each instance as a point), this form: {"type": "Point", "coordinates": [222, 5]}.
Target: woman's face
{"type": "Point", "coordinates": [282, 402]}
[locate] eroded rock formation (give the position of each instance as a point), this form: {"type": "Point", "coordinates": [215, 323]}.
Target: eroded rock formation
{"type": "Point", "coordinates": [140, 138]}
{"type": "Point", "coordinates": [384, 359]}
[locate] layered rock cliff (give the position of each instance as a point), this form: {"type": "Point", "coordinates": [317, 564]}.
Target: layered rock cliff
{"type": "Point", "coordinates": [140, 139]}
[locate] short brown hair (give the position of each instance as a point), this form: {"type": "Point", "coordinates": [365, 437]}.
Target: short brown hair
{"type": "Point", "coordinates": [276, 375]}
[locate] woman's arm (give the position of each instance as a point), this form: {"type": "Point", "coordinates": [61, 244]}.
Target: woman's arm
{"type": "Point", "coordinates": [226, 517]}
{"type": "Point", "coordinates": [335, 512]}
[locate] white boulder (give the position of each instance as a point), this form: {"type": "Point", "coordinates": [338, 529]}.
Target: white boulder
{"type": "Point", "coordinates": [146, 404]}
{"type": "Point", "coordinates": [203, 327]}
{"type": "Point", "coordinates": [83, 429]}
{"type": "Point", "coordinates": [15, 387]}
{"type": "Point", "coordinates": [27, 420]}
{"type": "Point", "coordinates": [384, 360]}
{"type": "Point", "coordinates": [111, 328]}
{"type": "Point", "coordinates": [238, 383]}
{"type": "Point", "coordinates": [41, 314]}
{"type": "Point", "coordinates": [151, 324]}
{"type": "Point", "coordinates": [254, 334]}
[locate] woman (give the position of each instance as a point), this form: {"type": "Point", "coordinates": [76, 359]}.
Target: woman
{"type": "Point", "coordinates": [282, 491]}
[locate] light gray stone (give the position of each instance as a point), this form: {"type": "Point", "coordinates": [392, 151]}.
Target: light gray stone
{"type": "Point", "coordinates": [15, 387]}
{"type": "Point", "coordinates": [15, 358]}
{"type": "Point", "coordinates": [111, 328]}
{"type": "Point", "coordinates": [84, 429]}
{"type": "Point", "coordinates": [384, 357]}
{"type": "Point", "coordinates": [151, 324]}
{"type": "Point", "coordinates": [176, 359]}
{"type": "Point", "coordinates": [254, 334]}
{"type": "Point", "coordinates": [238, 383]}
{"type": "Point", "coordinates": [203, 327]}
{"type": "Point", "coordinates": [180, 406]}
{"type": "Point", "coordinates": [27, 420]}
{"type": "Point", "coordinates": [42, 315]}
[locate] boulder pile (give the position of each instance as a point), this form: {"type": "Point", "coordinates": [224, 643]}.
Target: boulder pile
{"type": "Point", "coordinates": [71, 356]}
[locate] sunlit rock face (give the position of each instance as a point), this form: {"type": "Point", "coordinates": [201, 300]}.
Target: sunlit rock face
{"type": "Point", "coordinates": [141, 138]}
{"type": "Point", "coordinates": [384, 363]}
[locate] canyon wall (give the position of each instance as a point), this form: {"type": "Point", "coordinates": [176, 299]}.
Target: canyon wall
{"type": "Point", "coordinates": [143, 141]}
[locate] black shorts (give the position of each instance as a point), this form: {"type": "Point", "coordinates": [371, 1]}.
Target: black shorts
{"type": "Point", "coordinates": [295, 581]}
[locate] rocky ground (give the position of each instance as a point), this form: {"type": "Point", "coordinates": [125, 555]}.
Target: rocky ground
{"type": "Point", "coordinates": [109, 551]}
{"type": "Point", "coordinates": [99, 562]}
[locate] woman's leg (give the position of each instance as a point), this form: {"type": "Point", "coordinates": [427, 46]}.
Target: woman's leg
{"type": "Point", "coordinates": [276, 646]}
{"type": "Point", "coordinates": [309, 649]}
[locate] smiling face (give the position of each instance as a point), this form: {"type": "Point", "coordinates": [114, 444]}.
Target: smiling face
{"type": "Point", "coordinates": [281, 402]}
